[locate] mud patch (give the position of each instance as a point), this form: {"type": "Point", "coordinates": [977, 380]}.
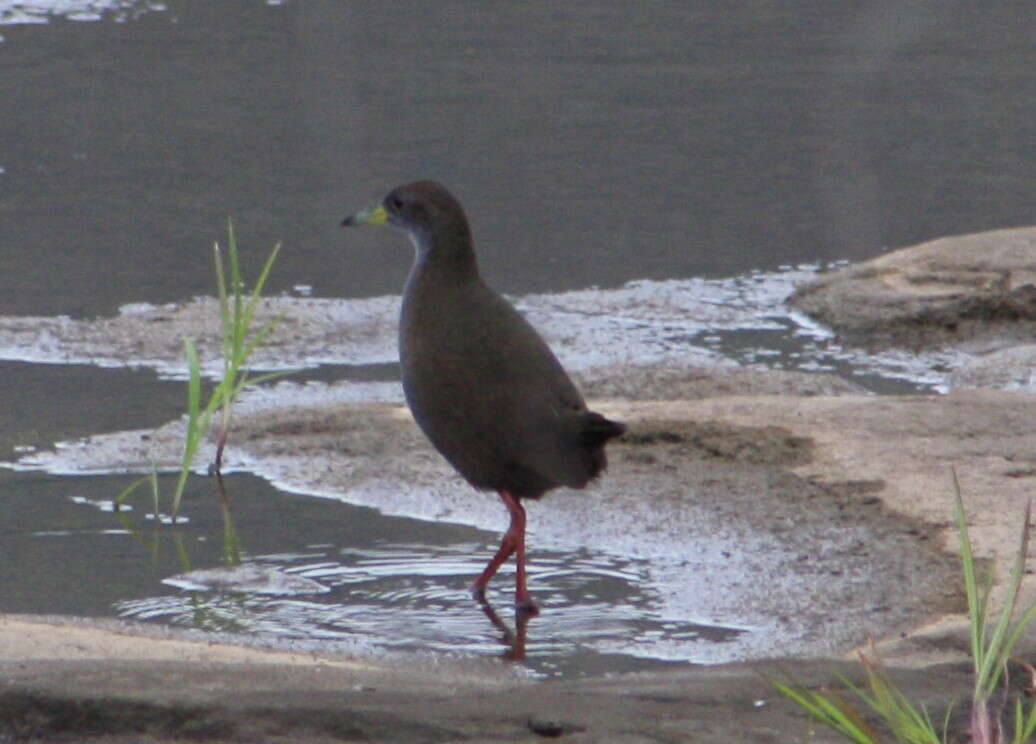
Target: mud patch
{"type": "Point", "coordinates": [681, 382]}
{"type": "Point", "coordinates": [767, 445]}
{"type": "Point", "coordinates": [28, 716]}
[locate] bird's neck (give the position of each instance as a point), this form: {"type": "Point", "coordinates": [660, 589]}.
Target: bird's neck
{"type": "Point", "coordinates": [447, 253]}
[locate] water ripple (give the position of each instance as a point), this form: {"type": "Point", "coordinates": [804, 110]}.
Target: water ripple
{"type": "Point", "coordinates": [415, 597]}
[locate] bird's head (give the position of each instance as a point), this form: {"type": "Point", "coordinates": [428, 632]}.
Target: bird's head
{"type": "Point", "coordinates": [425, 209]}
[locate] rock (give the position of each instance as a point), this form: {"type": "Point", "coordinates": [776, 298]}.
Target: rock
{"type": "Point", "coordinates": [978, 289]}
{"type": "Point", "coordinates": [1013, 368]}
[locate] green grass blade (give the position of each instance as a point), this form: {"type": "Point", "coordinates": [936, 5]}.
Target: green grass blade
{"type": "Point", "coordinates": [907, 722]}
{"type": "Point", "coordinates": [226, 322]}
{"type": "Point", "coordinates": [976, 612]}
{"type": "Point", "coordinates": [221, 285]}
{"type": "Point", "coordinates": [239, 327]}
{"type": "Point", "coordinates": [181, 485]}
{"type": "Point", "coordinates": [257, 290]}
{"type": "Point", "coordinates": [999, 650]}
{"type": "Point", "coordinates": [153, 478]}
{"type": "Point", "coordinates": [181, 553]}
{"type": "Point", "coordinates": [1024, 621]}
{"type": "Point", "coordinates": [216, 398]}
{"type": "Point", "coordinates": [267, 268]}
{"type": "Point", "coordinates": [197, 422]}
{"type": "Point", "coordinates": [231, 553]}
{"type": "Point", "coordinates": [193, 381]}
{"type": "Point", "coordinates": [946, 723]}
{"type": "Point", "coordinates": [258, 379]}
{"type": "Point", "coordinates": [259, 338]}
{"type": "Point", "coordinates": [128, 491]}
{"type": "Point", "coordinates": [1024, 723]}
{"type": "Point", "coordinates": [826, 711]}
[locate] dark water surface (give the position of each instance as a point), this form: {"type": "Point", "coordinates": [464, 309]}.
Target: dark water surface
{"type": "Point", "coordinates": [593, 143]}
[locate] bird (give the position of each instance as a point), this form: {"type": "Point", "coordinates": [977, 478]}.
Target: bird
{"type": "Point", "coordinates": [481, 383]}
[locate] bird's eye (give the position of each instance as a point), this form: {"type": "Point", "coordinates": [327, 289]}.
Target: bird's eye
{"type": "Point", "coordinates": [395, 202]}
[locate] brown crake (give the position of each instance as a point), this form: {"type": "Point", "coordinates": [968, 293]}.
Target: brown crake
{"type": "Point", "coordinates": [480, 381]}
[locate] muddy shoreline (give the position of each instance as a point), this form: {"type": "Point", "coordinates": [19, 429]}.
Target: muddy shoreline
{"type": "Point", "coordinates": [889, 470]}
{"type": "Point", "coordinates": [838, 506]}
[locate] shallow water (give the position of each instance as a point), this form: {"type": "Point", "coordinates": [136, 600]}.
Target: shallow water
{"type": "Point", "coordinates": [592, 144]}
{"type": "Point", "coordinates": [369, 583]}
{"type": "Point", "coordinates": [400, 597]}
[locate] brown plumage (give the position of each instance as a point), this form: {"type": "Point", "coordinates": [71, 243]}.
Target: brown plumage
{"type": "Point", "coordinates": [480, 381]}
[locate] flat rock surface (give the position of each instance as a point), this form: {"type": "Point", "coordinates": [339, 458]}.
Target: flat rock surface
{"type": "Point", "coordinates": [975, 289]}
{"type": "Point", "coordinates": [111, 684]}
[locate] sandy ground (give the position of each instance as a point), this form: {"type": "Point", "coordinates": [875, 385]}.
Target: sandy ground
{"type": "Point", "coordinates": [110, 684]}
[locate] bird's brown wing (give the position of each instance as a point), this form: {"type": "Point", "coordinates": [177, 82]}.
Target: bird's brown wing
{"type": "Point", "coordinates": [492, 397]}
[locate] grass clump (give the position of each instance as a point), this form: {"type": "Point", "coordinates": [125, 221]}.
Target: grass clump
{"type": "Point", "coordinates": [992, 644]}
{"type": "Point", "coordinates": [239, 342]}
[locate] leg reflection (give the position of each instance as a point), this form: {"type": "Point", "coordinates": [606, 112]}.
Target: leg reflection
{"type": "Point", "coordinates": [514, 640]}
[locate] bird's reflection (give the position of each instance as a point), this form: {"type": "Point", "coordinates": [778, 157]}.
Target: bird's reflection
{"type": "Point", "coordinates": [514, 640]}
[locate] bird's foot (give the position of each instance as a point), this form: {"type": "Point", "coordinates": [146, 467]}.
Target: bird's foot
{"type": "Point", "coordinates": [526, 608]}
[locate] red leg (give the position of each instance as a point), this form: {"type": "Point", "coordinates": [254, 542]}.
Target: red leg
{"type": "Point", "coordinates": [512, 542]}
{"type": "Point", "coordinates": [507, 544]}
{"type": "Point", "coordinates": [522, 601]}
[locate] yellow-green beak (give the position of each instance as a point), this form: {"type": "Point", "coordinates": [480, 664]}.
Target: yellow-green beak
{"type": "Point", "coordinates": [375, 215]}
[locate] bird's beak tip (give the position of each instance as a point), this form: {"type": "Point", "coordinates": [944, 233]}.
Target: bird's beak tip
{"type": "Point", "coordinates": [375, 215]}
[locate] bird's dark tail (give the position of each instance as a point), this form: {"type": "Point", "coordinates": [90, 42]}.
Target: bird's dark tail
{"type": "Point", "coordinates": [596, 430]}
